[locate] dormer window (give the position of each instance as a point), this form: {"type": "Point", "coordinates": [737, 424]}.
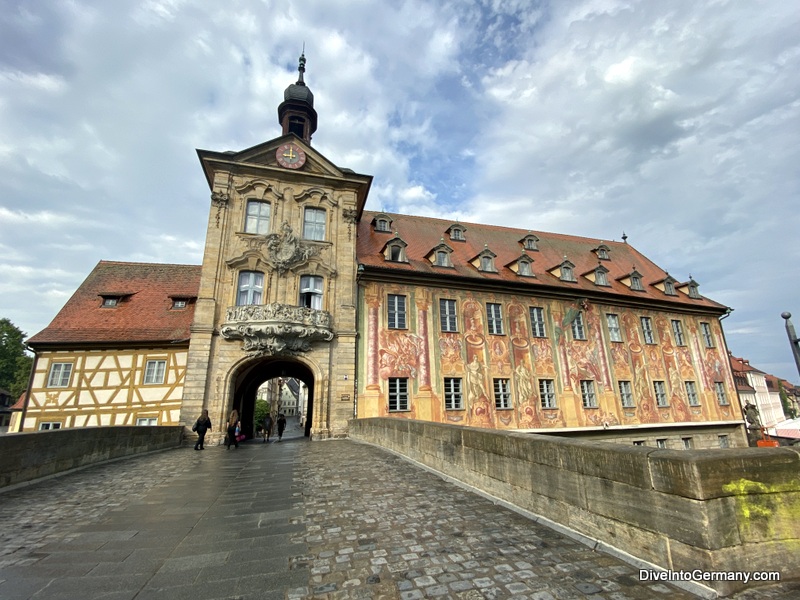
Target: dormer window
{"type": "Point", "coordinates": [600, 276]}
{"type": "Point", "coordinates": [382, 223]}
{"type": "Point", "coordinates": [602, 252]}
{"type": "Point", "coordinates": [530, 242]}
{"type": "Point", "coordinates": [395, 250]}
{"type": "Point", "coordinates": [442, 259]}
{"type": "Point", "coordinates": [440, 255]}
{"type": "Point", "coordinates": [110, 301]}
{"type": "Point", "coordinates": [524, 268]}
{"type": "Point", "coordinates": [485, 261]}
{"type": "Point", "coordinates": [636, 281]}
{"type": "Point", "coordinates": [567, 271]}
{"type": "Point", "coordinates": [669, 287]}
{"type": "Point", "coordinates": [693, 291]}
{"type": "Point", "coordinates": [457, 231]}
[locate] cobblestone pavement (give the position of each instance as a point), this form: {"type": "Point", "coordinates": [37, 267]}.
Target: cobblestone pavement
{"type": "Point", "coordinates": [292, 520]}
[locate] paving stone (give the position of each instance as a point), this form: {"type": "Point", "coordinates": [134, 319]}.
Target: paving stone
{"type": "Point", "coordinates": [296, 521]}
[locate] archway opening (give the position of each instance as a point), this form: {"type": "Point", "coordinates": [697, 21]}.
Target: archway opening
{"type": "Point", "coordinates": [281, 382]}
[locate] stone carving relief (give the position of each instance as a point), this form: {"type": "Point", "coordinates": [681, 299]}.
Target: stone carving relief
{"type": "Point", "coordinates": [286, 251]}
{"type": "Point", "coordinates": [276, 329]}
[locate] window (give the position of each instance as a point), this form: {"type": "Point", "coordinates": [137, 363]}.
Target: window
{"type": "Point", "coordinates": [110, 301]}
{"type": "Point", "coordinates": [669, 287]}
{"type": "Point", "coordinates": [566, 273]}
{"type": "Point", "coordinates": [636, 282]}
{"type": "Point", "coordinates": [626, 394]}
{"type": "Point", "coordinates": [708, 339]}
{"type": "Point", "coordinates": [638, 443]}
{"type": "Point", "coordinates": [447, 315]}
{"type": "Point", "coordinates": [693, 293]}
{"type": "Point", "coordinates": [382, 225]}
{"type": "Point", "coordinates": [487, 263]}
{"type": "Point", "coordinates": [457, 234]}
{"type": "Point", "coordinates": [614, 333]}
{"type": "Point", "coordinates": [537, 322]}
{"type": "Point", "coordinates": [587, 394]}
{"type": "Point", "coordinates": [647, 330]}
{"type": "Point", "coordinates": [257, 218]}
{"type": "Point", "coordinates": [687, 443]}
{"type": "Point", "coordinates": [453, 398]}
{"type": "Point", "coordinates": [502, 394]}
{"type": "Point", "coordinates": [547, 392]}
{"type": "Point", "coordinates": [661, 443]}
{"type": "Point", "coordinates": [48, 425]}
{"type": "Point", "coordinates": [442, 259]}
{"type": "Point", "coordinates": [602, 253]}
{"type": "Point", "coordinates": [397, 312]}
{"type": "Point", "coordinates": [600, 277]}
{"type": "Point", "coordinates": [251, 288]}
{"type": "Point", "coordinates": [724, 442]}
{"type": "Point", "coordinates": [311, 292]}
{"type": "Point", "coordinates": [494, 316]}
{"type": "Point", "coordinates": [677, 331]}
{"type": "Point", "coordinates": [147, 421]}
{"type": "Point", "coordinates": [524, 268]}
{"type": "Point", "coordinates": [578, 331]}
{"type": "Point", "coordinates": [396, 253]}
{"type": "Point", "coordinates": [59, 375]}
{"type": "Point", "coordinates": [530, 242]}
{"type": "Point", "coordinates": [691, 393]}
{"type": "Point", "coordinates": [719, 388]}
{"type": "Point", "coordinates": [179, 303]}
{"type": "Point", "coordinates": [398, 394]}
{"type": "Point", "coordinates": [661, 393]}
{"type": "Point", "coordinates": [154, 371]}
{"type": "Point", "coordinates": [314, 224]}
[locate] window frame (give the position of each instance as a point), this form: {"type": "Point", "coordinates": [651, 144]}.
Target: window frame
{"type": "Point", "coordinates": [398, 394]}
{"type": "Point", "coordinates": [601, 278]}
{"type": "Point", "coordinates": [49, 425]}
{"type": "Point", "coordinates": [494, 323]}
{"type": "Point", "coordinates": [396, 315]}
{"type": "Point", "coordinates": [453, 393]}
{"type": "Point", "coordinates": [705, 332]}
{"type": "Point", "coordinates": [614, 331]}
{"type": "Point", "coordinates": [148, 419]}
{"type": "Point", "coordinates": [648, 336]}
{"type": "Point", "coordinates": [547, 394]}
{"type": "Point", "coordinates": [626, 393]}
{"type": "Point", "coordinates": [159, 370]}
{"type": "Point", "coordinates": [636, 283]}
{"type": "Point", "coordinates": [588, 394]}
{"type": "Point", "coordinates": [691, 393]}
{"type": "Point", "coordinates": [538, 325]}
{"type": "Point", "coordinates": [315, 229]}
{"type": "Point", "coordinates": [722, 396]}
{"type": "Point", "coordinates": [308, 294]}
{"type": "Point", "coordinates": [677, 332]}
{"type": "Point", "coordinates": [258, 219]}
{"type": "Point", "coordinates": [448, 320]}
{"type": "Point", "coordinates": [660, 393]}
{"type": "Point", "coordinates": [578, 328]}
{"type": "Point", "coordinates": [253, 291]}
{"type": "Point", "coordinates": [57, 380]}
{"type": "Point", "coordinates": [502, 393]}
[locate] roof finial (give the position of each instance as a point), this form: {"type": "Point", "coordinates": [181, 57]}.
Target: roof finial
{"type": "Point", "coordinates": [624, 237]}
{"type": "Point", "coordinates": [302, 66]}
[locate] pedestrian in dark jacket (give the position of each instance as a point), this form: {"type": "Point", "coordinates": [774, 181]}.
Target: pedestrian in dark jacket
{"type": "Point", "coordinates": [201, 426]}
{"type": "Point", "coordinates": [267, 427]}
{"type": "Point", "coordinates": [281, 425]}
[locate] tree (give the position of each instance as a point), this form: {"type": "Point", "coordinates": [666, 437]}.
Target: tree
{"type": "Point", "coordinates": [788, 410]}
{"type": "Point", "coordinates": [15, 363]}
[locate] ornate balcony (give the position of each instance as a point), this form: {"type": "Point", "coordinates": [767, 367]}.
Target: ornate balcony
{"type": "Point", "coordinates": [276, 329]}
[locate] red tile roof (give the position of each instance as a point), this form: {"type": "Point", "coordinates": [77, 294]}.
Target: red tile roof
{"type": "Point", "coordinates": [144, 314]}
{"type": "Point", "coordinates": [422, 234]}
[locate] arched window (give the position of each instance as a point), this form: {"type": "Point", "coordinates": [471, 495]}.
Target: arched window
{"type": "Point", "coordinates": [250, 289]}
{"type": "Point", "coordinates": [566, 273]}
{"type": "Point", "coordinates": [442, 259]}
{"type": "Point", "coordinates": [524, 268]}
{"type": "Point", "coordinates": [382, 225]}
{"type": "Point", "coordinates": [311, 292]}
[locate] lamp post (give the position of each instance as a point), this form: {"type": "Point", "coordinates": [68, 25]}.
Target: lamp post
{"type": "Point", "coordinates": [792, 339]}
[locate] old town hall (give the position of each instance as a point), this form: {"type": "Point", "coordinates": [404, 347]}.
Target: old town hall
{"type": "Point", "coordinates": [386, 315]}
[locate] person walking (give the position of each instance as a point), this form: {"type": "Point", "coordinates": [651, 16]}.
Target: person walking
{"type": "Point", "coordinates": [281, 425]}
{"type": "Point", "coordinates": [267, 427]}
{"type": "Point", "coordinates": [234, 426]}
{"type": "Point", "coordinates": [201, 426]}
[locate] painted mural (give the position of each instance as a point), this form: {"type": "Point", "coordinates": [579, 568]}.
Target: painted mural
{"type": "Point", "coordinates": [518, 360]}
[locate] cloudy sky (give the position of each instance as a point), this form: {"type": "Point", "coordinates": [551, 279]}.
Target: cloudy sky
{"type": "Point", "coordinates": [675, 122]}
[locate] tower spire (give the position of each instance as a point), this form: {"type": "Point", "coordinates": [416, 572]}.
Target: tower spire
{"type": "Point", "coordinates": [296, 113]}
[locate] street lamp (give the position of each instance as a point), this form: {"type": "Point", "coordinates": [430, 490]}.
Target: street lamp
{"type": "Point", "coordinates": [792, 339]}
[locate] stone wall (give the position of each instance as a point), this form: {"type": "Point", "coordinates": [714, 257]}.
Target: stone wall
{"type": "Point", "coordinates": [712, 510]}
{"type": "Point", "coordinates": [29, 456]}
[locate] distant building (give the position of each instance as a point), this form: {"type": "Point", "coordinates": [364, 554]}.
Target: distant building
{"type": "Point", "coordinates": [384, 314]}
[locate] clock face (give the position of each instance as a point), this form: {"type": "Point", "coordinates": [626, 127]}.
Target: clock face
{"type": "Point", "coordinates": [290, 156]}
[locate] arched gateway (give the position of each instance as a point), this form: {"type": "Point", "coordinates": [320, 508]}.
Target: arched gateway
{"type": "Point", "coordinates": [249, 376]}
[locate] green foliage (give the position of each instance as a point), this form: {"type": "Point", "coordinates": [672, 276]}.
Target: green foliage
{"type": "Point", "coordinates": [15, 364]}
{"type": "Point", "coordinates": [260, 413]}
{"type": "Point", "coordinates": [788, 409]}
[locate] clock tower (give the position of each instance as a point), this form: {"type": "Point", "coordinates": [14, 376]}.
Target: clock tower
{"type": "Point", "coordinates": [278, 287]}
